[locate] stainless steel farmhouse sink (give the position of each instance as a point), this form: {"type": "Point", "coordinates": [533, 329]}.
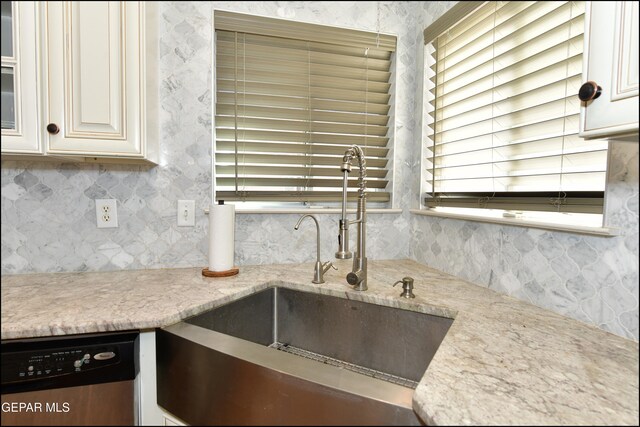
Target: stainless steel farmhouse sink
{"type": "Point", "coordinates": [288, 357]}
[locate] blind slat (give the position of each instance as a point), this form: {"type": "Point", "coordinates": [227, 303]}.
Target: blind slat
{"type": "Point", "coordinates": [525, 132]}
{"type": "Point", "coordinates": [302, 79]}
{"type": "Point", "coordinates": [248, 52]}
{"type": "Point", "coordinates": [519, 28]}
{"type": "Point", "coordinates": [299, 102]}
{"type": "Point", "coordinates": [499, 121]}
{"type": "Point", "coordinates": [580, 181]}
{"type": "Point", "coordinates": [311, 139]}
{"type": "Point", "coordinates": [295, 68]}
{"type": "Point", "coordinates": [520, 95]}
{"type": "Point", "coordinates": [280, 158]}
{"type": "Point", "coordinates": [313, 171]}
{"type": "Point", "coordinates": [301, 114]}
{"type": "Point", "coordinates": [483, 91]}
{"type": "Point", "coordinates": [578, 202]}
{"type": "Point", "coordinates": [533, 166]}
{"type": "Point", "coordinates": [533, 41]}
{"type": "Point", "coordinates": [300, 125]}
{"type": "Point", "coordinates": [296, 182]}
{"type": "Point", "coordinates": [302, 91]}
{"type": "Point", "coordinates": [530, 149]}
{"type": "Point", "coordinates": [271, 147]}
{"type": "Point", "coordinates": [479, 22]}
{"type": "Point", "coordinates": [257, 39]}
{"type": "Point", "coordinates": [517, 65]}
{"type": "Point", "coordinates": [298, 196]}
{"type": "Point", "coordinates": [450, 17]}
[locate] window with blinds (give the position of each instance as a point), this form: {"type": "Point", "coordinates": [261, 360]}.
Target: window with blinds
{"type": "Point", "coordinates": [290, 99]}
{"type": "Point", "coordinates": [504, 120]}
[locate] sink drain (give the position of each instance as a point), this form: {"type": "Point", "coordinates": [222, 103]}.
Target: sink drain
{"type": "Point", "coordinates": [394, 379]}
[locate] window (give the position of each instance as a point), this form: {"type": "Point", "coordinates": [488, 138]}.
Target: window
{"type": "Point", "coordinates": [290, 99]}
{"type": "Point", "coordinates": [503, 123]}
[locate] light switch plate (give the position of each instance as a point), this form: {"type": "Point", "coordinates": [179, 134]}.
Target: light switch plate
{"type": "Point", "coordinates": [186, 213]}
{"type": "Point", "coordinates": [106, 213]}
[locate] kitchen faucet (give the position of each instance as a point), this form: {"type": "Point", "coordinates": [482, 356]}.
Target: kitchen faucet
{"type": "Point", "coordinates": [358, 276]}
{"type": "Point", "coordinates": [320, 268]}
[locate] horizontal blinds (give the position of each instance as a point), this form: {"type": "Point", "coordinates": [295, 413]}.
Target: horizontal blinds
{"type": "Point", "coordinates": [504, 122]}
{"type": "Point", "coordinates": [290, 101]}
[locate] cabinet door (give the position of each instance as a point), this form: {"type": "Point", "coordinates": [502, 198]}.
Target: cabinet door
{"type": "Point", "coordinates": [20, 133]}
{"type": "Point", "coordinates": [611, 61]}
{"type": "Point", "coordinates": [93, 90]}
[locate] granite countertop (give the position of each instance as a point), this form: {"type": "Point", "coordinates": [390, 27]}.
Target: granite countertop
{"type": "Point", "coordinates": [503, 361]}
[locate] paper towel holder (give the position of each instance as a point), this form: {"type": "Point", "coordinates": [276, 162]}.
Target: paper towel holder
{"type": "Point", "coordinates": [226, 273]}
{"type": "Point", "coordinates": [208, 273]}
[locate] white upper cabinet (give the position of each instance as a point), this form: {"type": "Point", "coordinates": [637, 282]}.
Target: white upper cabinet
{"type": "Point", "coordinates": [610, 68]}
{"type": "Point", "coordinates": [20, 112]}
{"type": "Point", "coordinates": [97, 100]}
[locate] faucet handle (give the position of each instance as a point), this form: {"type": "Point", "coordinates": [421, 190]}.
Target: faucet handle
{"type": "Point", "coordinates": [328, 265]}
{"type": "Point", "coordinates": [407, 287]}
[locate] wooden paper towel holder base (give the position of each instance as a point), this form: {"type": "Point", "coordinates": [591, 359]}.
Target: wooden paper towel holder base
{"type": "Point", "coordinates": [226, 273]}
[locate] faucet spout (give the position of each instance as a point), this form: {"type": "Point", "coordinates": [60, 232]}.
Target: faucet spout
{"type": "Point", "coordinates": [317, 229]}
{"type": "Point", "coordinates": [320, 268]}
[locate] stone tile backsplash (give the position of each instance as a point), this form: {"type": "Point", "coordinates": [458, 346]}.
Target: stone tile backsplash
{"type": "Point", "coordinates": [589, 278]}
{"type": "Point", "coordinates": [48, 210]}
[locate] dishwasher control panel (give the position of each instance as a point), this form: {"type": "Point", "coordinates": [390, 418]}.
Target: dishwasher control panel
{"type": "Point", "coordinates": [26, 365]}
{"type": "Point", "coordinates": [68, 360]}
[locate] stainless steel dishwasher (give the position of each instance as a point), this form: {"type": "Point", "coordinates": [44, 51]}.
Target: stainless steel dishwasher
{"type": "Point", "coordinates": [70, 380]}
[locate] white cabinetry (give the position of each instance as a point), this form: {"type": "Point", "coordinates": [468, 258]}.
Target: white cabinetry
{"type": "Point", "coordinates": [98, 86]}
{"type": "Point", "coordinates": [20, 78]}
{"type": "Point", "coordinates": [611, 61]}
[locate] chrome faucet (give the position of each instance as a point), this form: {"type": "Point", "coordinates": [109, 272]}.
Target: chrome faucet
{"type": "Point", "coordinates": [320, 268]}
{"type": "Point", "coordinates": [358, 276]}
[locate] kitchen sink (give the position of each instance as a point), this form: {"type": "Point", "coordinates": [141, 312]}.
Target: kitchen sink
{"type": "Point", "coordinates": [288, 357]}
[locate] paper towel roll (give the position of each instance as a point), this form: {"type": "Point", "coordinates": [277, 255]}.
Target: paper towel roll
{"type": "Point", "coordinates": [221, 237]}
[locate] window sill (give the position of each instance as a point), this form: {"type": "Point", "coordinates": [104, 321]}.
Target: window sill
{"type": "Point", "coordinates": [310, 211]}
{"type": "Point", "coordinates": [521, 222]}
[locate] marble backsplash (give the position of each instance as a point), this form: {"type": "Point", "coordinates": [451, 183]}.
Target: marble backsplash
{"type": "Point", "coordinates": [48, 211]}
{"type": "Point", "coordinates": [589, 278]}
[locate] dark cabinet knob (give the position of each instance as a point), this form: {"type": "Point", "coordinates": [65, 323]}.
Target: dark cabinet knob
{"type": "Point", "coordinates": [588, 91]}
{"type": "Point", "coordinates": [53, 128]}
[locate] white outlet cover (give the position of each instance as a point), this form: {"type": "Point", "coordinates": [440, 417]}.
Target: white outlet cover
{"type": "Point", "coordinates": [186, 213]}
{"type": "Point", "coordinates": [106, 213]}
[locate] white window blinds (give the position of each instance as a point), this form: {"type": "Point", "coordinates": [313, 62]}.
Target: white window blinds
{"type": "Point", "coordinates": [290, 99]}
{"type": "Point", "coordinates": [504, 122]}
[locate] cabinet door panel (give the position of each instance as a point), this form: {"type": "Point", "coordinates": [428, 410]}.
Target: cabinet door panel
{"type": "Point", "coordinates": [95, 66]}
{"type": "Point", "coordinates": [611, 60]}
{"type": "Point", "coordinates": [94, 88]}
{"type": "Point", "coordinates": [20, 133]}
{"type": "Point", "coordinates": [625, 77]}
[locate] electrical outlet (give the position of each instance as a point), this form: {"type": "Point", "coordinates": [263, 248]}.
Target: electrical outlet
{"type": "Point", "coordinates": [186, 213]}
{"type": "Point", "coordinates": [106, 213]}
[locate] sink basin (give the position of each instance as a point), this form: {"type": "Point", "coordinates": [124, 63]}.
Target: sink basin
{"type": "Point", "coordinates": [288, 357]}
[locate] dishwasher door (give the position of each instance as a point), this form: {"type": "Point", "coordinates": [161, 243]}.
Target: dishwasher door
{"type": "Point", "coordinates": [70, 380]}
